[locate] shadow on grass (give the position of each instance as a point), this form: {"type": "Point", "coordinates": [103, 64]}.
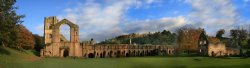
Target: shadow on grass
{"type": "Point", "coordinates": [4, 51]}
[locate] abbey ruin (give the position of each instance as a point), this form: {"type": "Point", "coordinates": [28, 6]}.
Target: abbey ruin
{"type": "Point", "coordinates": [56, 45]}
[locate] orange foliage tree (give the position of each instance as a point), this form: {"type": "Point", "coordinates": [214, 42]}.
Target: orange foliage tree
{"type": "Point", "coordinates": [25, 38]}
{"type": "Point", "coordinates": [187, 39]}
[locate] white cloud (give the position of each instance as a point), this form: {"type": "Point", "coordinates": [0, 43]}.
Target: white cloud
{"type": "Point", "coordinates": [166, 23]}
{"type": "Point", "coordinates": [213, 14]}
{"type": "Point", "coordinates": [105, 20]}
{"type": "Point", "coordinates": [101, 20]}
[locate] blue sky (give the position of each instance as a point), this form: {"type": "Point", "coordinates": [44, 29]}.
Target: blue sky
{"type": "Point", "coordinates": [103, 19]}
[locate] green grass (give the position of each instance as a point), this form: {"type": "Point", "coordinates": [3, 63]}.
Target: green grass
{"type": "Point", "coordinates": [17, 60]}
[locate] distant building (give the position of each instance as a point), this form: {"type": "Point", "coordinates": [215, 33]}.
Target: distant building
{"type": "Point", "coordinates": [197, 41]}
{"type": "Point", "coordinates": [212, 46]}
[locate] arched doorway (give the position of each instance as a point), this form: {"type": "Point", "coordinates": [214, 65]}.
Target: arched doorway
{"type": "Point", "coordinates": [65, 53]}
{"type": "Point", "coordinates": [91, 55]}
{"type": "Point", "coordinates": [213, 55]}
{"type": "Point", "coordinates": [134, 54]}
{"type": "Point", "coordinates": [127, 54]}
{"type": "Point", "coordinates": [118, 53]}
{"type": "Point", "coordinates": [104, 54]}
{"type": "Point", "coordinates": [101, 55]}
{"type": "Point", "coordinates": [110, 53]}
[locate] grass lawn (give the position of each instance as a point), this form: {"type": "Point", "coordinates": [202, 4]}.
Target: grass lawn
{"type": "Point", "coordinates": [28, 61]}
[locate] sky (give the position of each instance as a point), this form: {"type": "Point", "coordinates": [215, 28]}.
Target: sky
{"type": "Point", "coordinates": [104, 19]}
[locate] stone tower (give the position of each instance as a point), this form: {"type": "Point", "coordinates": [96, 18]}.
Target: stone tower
{"type": "Point", "coordinates": [49, 23]}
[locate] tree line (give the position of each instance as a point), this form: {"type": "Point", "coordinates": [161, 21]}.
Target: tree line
{"type": "Point", "coordinates": [158, 38]}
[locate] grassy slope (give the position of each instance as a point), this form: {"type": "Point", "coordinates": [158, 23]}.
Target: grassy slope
{"type": "Point", "coordinates": [10, 58]}
{"type": "Point", "coordinates": [18, 59]}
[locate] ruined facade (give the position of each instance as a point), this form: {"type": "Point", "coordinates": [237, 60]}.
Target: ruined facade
{"type": "Point", "coordinates": [56, 45]}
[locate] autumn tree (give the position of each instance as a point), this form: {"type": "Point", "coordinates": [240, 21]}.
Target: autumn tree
{"type": "Point", "coordinates": [8, 23]}
{"type": "Point", "coordinates": [187, 38]}
{"type": "Point", "coordinates": [25, 38]}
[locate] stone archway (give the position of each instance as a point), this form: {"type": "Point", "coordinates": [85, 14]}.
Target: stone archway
{"type": "Point", "coordinates": [66, 53]}
{"type": "Point", "coordinates": [213, 54]}
{"type": "Point", "coordinates": [110, 54]}
{"type": "Point", "coordinates": [127, 55]}
{"type": "Point", "coordinates": [73, 43]}
{"type": "Point", "coordinates": [101, 55]}
{"type": "Point", "coordinates": [73, 31]}
{"type": "Point", "coordinates": [91, 55]}
{"type": "Point", "coordinates": [104, 54]}
{"type": "Point", "coordinates": [118, 53]}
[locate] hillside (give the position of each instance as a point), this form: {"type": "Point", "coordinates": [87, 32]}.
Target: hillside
{"type": "Point", "coordinates": [10, 57]}
{"type": "Point", "coordinates": [157, 38]}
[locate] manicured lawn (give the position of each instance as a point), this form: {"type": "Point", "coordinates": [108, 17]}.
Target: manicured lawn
{"type": "Point", "coordinates": [19, 60]}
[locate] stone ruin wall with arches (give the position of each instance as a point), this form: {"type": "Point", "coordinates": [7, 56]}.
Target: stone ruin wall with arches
{"type": "Point", "coordinates": [56, 45]}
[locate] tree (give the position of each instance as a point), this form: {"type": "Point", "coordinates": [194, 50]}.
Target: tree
{"type": "Point", "coordinates": [220, 33]}
{"type": "Point", "coordinates": [159, 38]}
{"type": "Point", "coordinates": [25, 38]}
{"type": "Point", "coordinates": [8, 23]}
{"type": "Point", "coordinates": [239, 36]}
{"type": "Point", "coordinates": [187, 38]}
{"type": "Point", "coordinates": [248, 42]}
{"type": "Point", "coordinates": [39, 42]}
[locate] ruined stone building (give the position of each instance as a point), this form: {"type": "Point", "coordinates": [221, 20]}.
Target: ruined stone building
{"type": "Point", "coordinates": [56, 45]}
{"type": "Point", "coordinates": [212, 46]}
{"type": "Point", "coordinates": [218, 48]}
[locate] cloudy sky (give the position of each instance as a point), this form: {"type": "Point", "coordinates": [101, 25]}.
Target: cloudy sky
{"type": "Point", "coordinates": [104, 19]}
